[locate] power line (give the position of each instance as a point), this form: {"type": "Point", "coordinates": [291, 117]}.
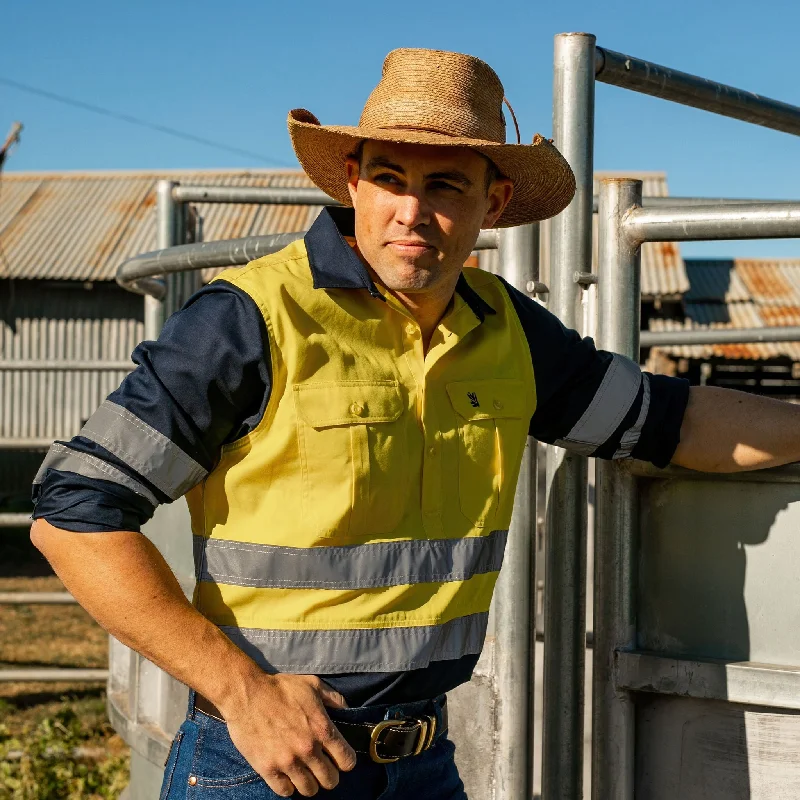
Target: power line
{"type": "Point", "coordinates": [142, 123]}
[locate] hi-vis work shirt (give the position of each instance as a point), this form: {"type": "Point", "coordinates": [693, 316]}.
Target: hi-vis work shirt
{"type": "Point", "coordinates": [350, 494]}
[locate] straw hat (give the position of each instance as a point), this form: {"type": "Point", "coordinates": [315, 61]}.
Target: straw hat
{"type": "Point", "coordinates": [439, 98]}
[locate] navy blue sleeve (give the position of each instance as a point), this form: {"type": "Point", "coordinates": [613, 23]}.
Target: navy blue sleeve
{"type": "Point", "coordinates": [595, 402]}
{"type": "Point", "coordinates": [205, 382]}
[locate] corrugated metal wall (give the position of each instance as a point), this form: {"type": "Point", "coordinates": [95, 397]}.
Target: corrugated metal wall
{"type": "Point", "coordinates": [47, 321]}
{"type": "Point", "coordinates": [56, 321]}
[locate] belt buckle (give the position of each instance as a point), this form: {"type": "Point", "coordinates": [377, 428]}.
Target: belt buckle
{"type": "Point", "coordinates": [426, 731]}
{"type": "Point", "coordinates": [430, 732]}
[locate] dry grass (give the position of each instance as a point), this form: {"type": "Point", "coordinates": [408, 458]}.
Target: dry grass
{"type": "Point", "coordinates": [55, 739]}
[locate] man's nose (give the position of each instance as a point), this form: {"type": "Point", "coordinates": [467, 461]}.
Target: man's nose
{"type": "Point", "coordinates": [412, 210]}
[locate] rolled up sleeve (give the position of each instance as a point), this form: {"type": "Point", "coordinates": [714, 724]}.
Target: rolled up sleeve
{"type": "Point", "coordinates": [204, 382]}
{"type": "Point", "coordinates": [594, 402]}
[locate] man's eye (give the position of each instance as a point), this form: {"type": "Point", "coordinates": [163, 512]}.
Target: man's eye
{"type": "Point", "coordinates": [387, 178]}
{"type": "Point", "coordinates": [445, 185]}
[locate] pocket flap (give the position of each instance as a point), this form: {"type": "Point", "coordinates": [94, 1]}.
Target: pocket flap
{"type": "Point", "coordinates": [488, 399]}
{"type": "Point", "coordinates": [330, 403]}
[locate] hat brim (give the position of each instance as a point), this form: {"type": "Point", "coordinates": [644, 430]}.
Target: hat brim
{"type": "Point", "coordinates": [544, 184]}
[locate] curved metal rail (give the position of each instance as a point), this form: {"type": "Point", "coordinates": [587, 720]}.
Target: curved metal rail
{"type": "Point", "coordinates": [138, 274]}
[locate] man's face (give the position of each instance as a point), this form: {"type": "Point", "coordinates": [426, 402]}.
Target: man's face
{"type": "Point", "coordinates": [419, 209]}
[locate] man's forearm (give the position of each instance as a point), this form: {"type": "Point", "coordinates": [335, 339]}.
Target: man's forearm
{"type": "Point", "coordinates": [122, 580]}
{"type": "Point", "coordinates": [729, 431]}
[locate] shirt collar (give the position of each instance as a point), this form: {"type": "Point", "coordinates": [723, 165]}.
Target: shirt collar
{"type": "Point", "coordinates": [335, 265]}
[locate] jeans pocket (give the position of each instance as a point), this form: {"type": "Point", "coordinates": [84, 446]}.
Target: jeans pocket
{"type": "Point", "coordinates": [217, 762]}
{"type": "Point", "coordinates": [169, 765]}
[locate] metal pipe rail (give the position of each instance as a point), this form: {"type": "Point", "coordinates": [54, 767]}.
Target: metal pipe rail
{"type": "Point", "coordinates": [52, 675]}
{"type": "Point", "coordinates": [646, 77]}
{"type": "Point", "coordinates": [301, 196]}
{"type": "Point", "coordinates": [15, 520]}
{"type": "Point", "coordinates": [67, 364]}
{"type": "Point", "coordinates": [26, 443]}
{"type": "Point", "coordinates": [705, 223]}
{"type": "Point", "coordinates": [36, 598]}
{"type": "Point", "coordinates": [266, 195]}
{"type": "Point", "coordinates": [137, 274]}
{"type": "Point", "coordinates": [713, 336]}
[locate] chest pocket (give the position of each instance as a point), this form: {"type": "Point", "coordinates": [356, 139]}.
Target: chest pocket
{"type": "Point", "coordinates": [492, 431]}
{"type": "Point", "coordinates": [354, 456]}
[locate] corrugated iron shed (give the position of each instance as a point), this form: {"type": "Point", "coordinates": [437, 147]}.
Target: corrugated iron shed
{"type": "Point", "coordinates": [81, 226]}
{"type": "Point", "coordinates": [739, 293]}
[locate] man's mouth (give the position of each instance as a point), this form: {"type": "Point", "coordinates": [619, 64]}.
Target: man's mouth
{"type": "Point", "coordinates": [410, 247]}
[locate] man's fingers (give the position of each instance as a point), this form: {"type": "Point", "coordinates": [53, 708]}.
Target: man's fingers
{"type": "Point", "coordinates": [280, 784]}
{"type": "Point", "coordinates": [343, 756]}
{"type": "Point", "coordinates": [330, 697]}
{"type": "Point", "coordinates": [302, 778]}
{"type": "Point", "coordinates": [321, 766]}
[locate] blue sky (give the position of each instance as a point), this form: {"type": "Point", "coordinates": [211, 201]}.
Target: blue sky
{"type": "Point", "coordinates": [231, 71]}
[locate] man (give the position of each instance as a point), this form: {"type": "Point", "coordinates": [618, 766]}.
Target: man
{"type": "Point", "coordinates": [347, 419]}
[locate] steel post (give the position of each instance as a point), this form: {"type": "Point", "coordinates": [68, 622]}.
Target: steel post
{"type": "Point", "coordinates": [166, 236]}
{"type": "Point", "coordinates": [514, 596]}
{"type": "Point", "coordinates": [565, 550]}
{"type": "Point", "coordinates": [619, 295]}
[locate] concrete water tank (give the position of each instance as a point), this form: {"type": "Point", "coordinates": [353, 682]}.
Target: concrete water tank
{"type": "Point", "coordinates": [716, 676]}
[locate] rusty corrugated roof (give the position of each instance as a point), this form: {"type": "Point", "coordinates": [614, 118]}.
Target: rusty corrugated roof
{"type": "Point", "coordinates": [82, 226]}
{"type": "Point", "coordinates": [738, 293]}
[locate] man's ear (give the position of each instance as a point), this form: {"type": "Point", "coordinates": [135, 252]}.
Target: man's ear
{"type": "Point", "coordinates": [499, 195]}
{"type": "Point", "coordinates": [352, 166]}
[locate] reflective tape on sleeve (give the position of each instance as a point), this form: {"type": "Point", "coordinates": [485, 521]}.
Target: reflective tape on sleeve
{"type": "Point", "coordinates": [64, 458]}
{"type": "Point", "coordinates": [631, 437]}
{"type": "Point", "coordinates": [144, 449]}
{"type": "Point", "coordinates": [612, 401]}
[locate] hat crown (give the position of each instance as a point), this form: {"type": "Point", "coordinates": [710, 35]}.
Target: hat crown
{"type": "Point", "coordinates": [433, 90]}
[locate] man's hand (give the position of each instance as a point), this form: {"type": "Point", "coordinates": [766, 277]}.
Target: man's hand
{"type": "Point", "coordinates": [287, 736]}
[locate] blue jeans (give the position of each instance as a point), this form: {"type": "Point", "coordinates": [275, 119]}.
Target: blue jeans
{"type": "Point", "coordinates": [203, 750]}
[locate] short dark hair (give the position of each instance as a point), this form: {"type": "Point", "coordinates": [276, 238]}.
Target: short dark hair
{"type": "Point", "coordinates": [492, 172]}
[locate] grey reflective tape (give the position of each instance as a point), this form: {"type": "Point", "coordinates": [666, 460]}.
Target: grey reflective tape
{"type": "Point", "coordinates": [144, 449]}
{"type": "Point", "coordinates": [360, 566]}
{"type": "Point", "coordinates": [66, 459]}
{"type": "Point", "coordinates": [631, 437]}
{"type": "Point", "coordinates": [610, 404]}
{"type": "Point", "coordinates": [361, 650]}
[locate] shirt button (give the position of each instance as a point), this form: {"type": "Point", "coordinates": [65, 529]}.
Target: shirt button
{"type": "Point", "coordinates": [357, 410]}
{"type": "Point", "coordinates": [497, 405]}
{"type": "Point", "coordinates": [431, 451]}
{"type": "Point", "coordinates": [411, 329]}
{"type": "Point", "coordinates": [192, 780]}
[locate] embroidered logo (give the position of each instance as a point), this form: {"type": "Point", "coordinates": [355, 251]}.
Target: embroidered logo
{"type": "Point", "coordinates": [473, 399]}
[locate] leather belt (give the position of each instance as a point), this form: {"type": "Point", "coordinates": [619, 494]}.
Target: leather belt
{"type": "Point", "coordinates": [385, 742]}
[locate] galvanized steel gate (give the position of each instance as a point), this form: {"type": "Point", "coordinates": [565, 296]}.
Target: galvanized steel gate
{"type": "Point", "coordinates": [634, 736]}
